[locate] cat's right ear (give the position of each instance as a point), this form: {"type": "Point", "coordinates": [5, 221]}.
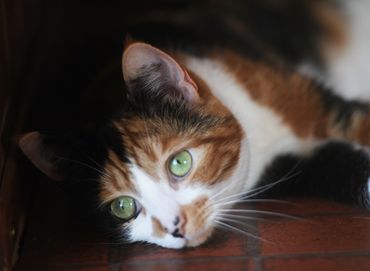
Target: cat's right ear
{"type": "Point", "coordinates": [32, 145]}
{"type": "Point", "coordinates": [157, 72]}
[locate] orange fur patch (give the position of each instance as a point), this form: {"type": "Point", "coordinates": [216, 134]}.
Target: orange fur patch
{"type": "Point", "coordinates": [158, 229]}
{"type": "Point", "coordinates": [333, 26]}
{"type": "Point", "coordinates": [292, 96]}
{"type": "Point", "coordinates": [195, 214]}
{"type": "Point", "coordinates": [361, 129]}
{"type": "Point", "coordinates": [221, 154]}
{"type": "Point", "coordinates": [297, 101]}
{"type": "Point", "coordinates": [116, 179]}
{"type": "Point", "coordinates": [141, 146]}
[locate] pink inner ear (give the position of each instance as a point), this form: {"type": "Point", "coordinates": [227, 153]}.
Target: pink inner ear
{"type": "Point", "coordinates": [140, 55]}
{"type": "Point", "coordinates": [189, 84]}
{"type": "Point", "coordinates": [136, 57]}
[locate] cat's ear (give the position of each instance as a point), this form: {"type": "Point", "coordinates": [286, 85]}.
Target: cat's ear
{"type": "Point", "coordinates": [33, 147]}
{"type": "Point", "coordinates": [153, 69]}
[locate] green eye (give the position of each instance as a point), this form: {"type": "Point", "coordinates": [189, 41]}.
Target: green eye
{"type": "Point", "coordinates": [123, 207]}
{"type": "Point", "coordinates": [180, 164]}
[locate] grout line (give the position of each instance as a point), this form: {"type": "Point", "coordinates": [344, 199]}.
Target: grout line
{"type": "Point", "coordinates": [115, 267]}
{"type": "Point", "coordinates": [185, 260]}
{"type": "Point", "coordinates": [365, 213]}
{"type": "Point", "coordinates": [139, 262]}
{"type": "Point", "coordinates": [318, 255]}
{"type": "Point", "coordinates": [307, 218]}
{"type": "Point", "coordinates": [253, 246]}
{"type": "Point", "coordinates": [258, 264]}
{"type": "Point", "coordinates": [114, 253]}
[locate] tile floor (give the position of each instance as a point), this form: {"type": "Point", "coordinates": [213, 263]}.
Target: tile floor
{"type": "Point", "coordinates": [326, 236]}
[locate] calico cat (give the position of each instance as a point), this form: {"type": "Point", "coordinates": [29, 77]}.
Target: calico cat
{"type": "Point", "coordinates": [201, 124]}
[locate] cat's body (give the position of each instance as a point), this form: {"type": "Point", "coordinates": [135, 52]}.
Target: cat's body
{"type": "Point", "coordinates": [200, 125]}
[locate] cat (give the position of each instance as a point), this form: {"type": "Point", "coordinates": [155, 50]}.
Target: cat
{"type": "Point", "coordinates": [202, 123]}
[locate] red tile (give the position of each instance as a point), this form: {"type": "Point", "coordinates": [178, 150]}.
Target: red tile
{"type": "Point", "coordinates": [66, 255]}
{"type": "Point", "coordinates": [60, 268]}
{"type": "Point", "coordinates": [220, 264]}
{"type": "Point", "coordinates": [309, 207]}
{"type": "Point", "coordinates": [54, 239]}
{"type": "Point", "coordinates": [340, 263]}
{"type": "Point", "coordinates": [84, 268]}
{"type": "Point", "coordinates": [316, 235]}
{"type": "Point", "coordinates": [222, 244]}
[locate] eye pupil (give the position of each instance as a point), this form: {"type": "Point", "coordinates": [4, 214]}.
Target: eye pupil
{"type": "Point", "coordinates": [181, 164]}
{"type": "Point", "coordinates": [123, 207]}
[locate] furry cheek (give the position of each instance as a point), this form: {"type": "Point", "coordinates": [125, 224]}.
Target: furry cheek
{"type": "Point", "coordinates": [195, 216]}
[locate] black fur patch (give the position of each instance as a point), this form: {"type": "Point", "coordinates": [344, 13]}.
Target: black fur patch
{"type": "Point", "coordinates": [182, 117]}
{"type": "Point", "coordinates": [336, 171]}
{"type": "Point", "coordinates": [80, 158]}
{"type": "Point", "coordinates": [263, 29]}
{"type": "Point", "coordinates": [342, 110]}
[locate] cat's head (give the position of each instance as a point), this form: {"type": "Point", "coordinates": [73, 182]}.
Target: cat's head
{"type": "Point", "coordinates": [167, 166]}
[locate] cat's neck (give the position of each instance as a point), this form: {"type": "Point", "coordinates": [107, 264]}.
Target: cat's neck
{"type": "Point", "coordinates": [265, 133]}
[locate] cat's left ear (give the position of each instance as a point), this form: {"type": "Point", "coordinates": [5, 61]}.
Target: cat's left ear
{"type": "Point", "coordinates": [153, 69]}
{"type": "Point", "coordinates": [32, 145]}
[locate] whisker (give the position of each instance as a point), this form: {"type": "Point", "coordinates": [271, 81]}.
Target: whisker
{"type": "Point", "coordinates": [87, 179]}
{"type": "Point", "coordinates": [227, 226]}
{"type": "Point", "coordinates": [261, 212]}
{"type": "Point", "coordinates": [245, 193]}
{"type": "Point", "coordinates": [221, 191]}
{"type": "Point", "coordinates": [238, 222]}
{"type": "Point", "coordinates": [252, 190]}
{"type": "Point", "coordinates": [84, 164]}
{"type": "Point", "coordinates": [255, 201]}
{"type": "Point", "coordinates": [242, 217]}
{"type": "Point", "coordinates": [92, 160]}
{"type": "Point", "coordinates": [274, 184]}
{"type": "Point", "coordinates": [258, 190]}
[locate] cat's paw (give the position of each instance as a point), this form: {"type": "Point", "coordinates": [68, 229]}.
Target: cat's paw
{"type": "Point", "coordinates": [366, 197]}
{"type": "Point", "coordinates": [363, 167]}
{"type": "Point", "coordinates": [366, 192]}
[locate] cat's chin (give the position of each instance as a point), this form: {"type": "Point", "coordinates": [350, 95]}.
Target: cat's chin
{"type": "Point", "coordinates": [196, 242]}
{"type": "Point", "coordinates": [169, 242]}
{"type": "Point", "coordinates": [179, 243]}
{"type": "Point", "coordinates": [200, 239]}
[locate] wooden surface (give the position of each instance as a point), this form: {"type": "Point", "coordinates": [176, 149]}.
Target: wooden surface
{"type": "Point", "coordinates": [10, 216]}
{"type": "Point", "coordinates": [14, 44]}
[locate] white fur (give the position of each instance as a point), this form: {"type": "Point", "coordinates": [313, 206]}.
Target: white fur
{"type": "Point", "coordinates": [141, 229]}
{"type": "Point", "coordinates": [348, 71]}
{"type": "Point", "coordinates": [163, 203]}
{"type": "Point", "coordinates": [266, 134]}
{"type": "Point", "coordinates": [156, 198]}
